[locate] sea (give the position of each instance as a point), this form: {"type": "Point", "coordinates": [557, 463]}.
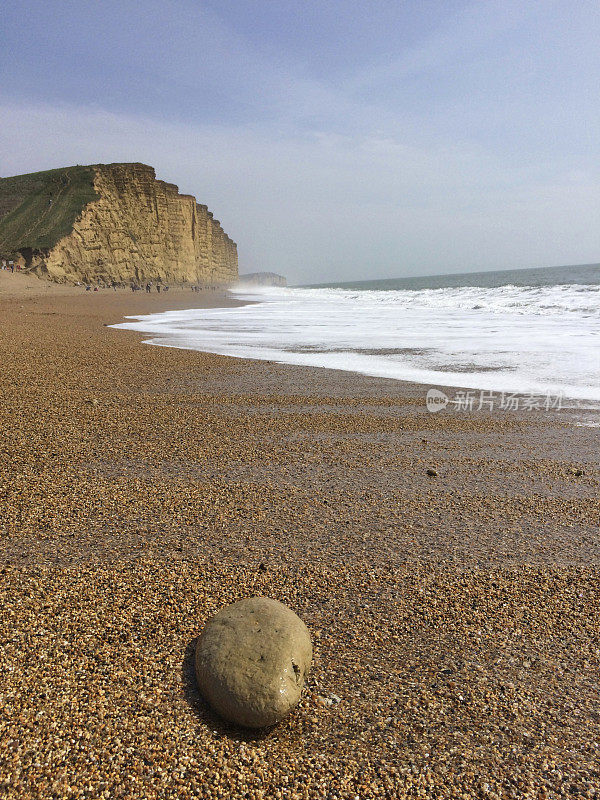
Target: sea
{"type": "Point", "coordinates": [526, 331]}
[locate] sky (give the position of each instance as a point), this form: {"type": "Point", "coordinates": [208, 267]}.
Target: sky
{"type": "Point", "coordinates": [335, 140]}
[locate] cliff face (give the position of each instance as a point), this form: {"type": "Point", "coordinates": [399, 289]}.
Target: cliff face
{"type": "Point", "coordinates": [136, 229]}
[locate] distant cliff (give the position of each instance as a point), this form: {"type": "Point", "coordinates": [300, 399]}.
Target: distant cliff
{"type": "Point", "coordinates": [263, 279]}
{"type": "Point", "coordinates": [111, 222]}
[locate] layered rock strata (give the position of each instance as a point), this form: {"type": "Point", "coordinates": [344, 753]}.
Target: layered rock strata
{"type": "Point", "coordinates": [137, 229]}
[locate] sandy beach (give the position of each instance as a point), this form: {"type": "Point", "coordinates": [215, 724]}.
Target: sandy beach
{"type": "Point", "coordinates": [454, 616]}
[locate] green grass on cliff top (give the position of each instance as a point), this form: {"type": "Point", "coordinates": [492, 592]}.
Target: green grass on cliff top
{"type": "Point", "coordinates": [27, 217]}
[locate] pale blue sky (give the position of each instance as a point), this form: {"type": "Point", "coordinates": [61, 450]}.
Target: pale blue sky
{"type": "Point", "coordinates": [334, 140]}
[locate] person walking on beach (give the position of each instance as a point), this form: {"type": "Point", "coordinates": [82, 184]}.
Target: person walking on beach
{"type": "Point", "coordinates": [148, 288]}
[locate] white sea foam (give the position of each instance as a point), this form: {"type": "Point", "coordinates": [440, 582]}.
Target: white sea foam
{"type": "Point", "coordinates": [542, 340]}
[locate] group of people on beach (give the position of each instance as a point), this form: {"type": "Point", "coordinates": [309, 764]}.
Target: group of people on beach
{"type": "Point", "coordinates": [112, 285]}
{"type": "Point", "coordinates": [12, 266]}
{"type": "Point", "coordinates": [136, 287]}
{"type": "Point", "coordinates": [147, 287]}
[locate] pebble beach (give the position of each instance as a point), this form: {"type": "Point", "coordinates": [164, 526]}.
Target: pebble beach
{"type": "Point", "coordinates": [447, 566]}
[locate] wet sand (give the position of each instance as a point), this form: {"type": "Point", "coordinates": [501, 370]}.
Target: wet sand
{"type": "Point", "coordinates": [455, 616]}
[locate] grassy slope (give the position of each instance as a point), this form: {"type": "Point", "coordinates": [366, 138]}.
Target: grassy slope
{"type": "Point", "coordinates": [28, 219]}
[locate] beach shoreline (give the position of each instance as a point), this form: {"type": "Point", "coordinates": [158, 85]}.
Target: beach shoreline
{"type": "Point", "coordinates": [454, 614]}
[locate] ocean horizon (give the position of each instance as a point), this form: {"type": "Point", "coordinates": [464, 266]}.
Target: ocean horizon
{"type": "Point", "coordinates": [582, 274]}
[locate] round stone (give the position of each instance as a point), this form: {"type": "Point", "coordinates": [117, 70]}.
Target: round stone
{"type": "Point", "coordinates": [251, 660]}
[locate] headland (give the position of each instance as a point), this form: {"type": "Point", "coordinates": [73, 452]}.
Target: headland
{"type": "Point", "coordinates": [111, 224]}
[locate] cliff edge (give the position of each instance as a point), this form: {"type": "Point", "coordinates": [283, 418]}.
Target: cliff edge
{"type": "Point", "coordinates": [111, 222]}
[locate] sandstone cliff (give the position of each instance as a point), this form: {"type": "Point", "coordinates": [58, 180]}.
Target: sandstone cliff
{"type": "Point", "coordinates": [112, 222]}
